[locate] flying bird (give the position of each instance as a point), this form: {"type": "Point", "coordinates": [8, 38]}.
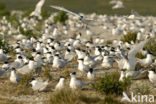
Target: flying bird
{"type": "Point", "coordinates": [80, 17]}
{"type": "Point", "coordinates": [37, 11]}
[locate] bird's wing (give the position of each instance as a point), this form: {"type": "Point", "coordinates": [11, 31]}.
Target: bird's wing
{"type": "Point", "coordinates": [38, 7]}
{"type": "Point", "coordinates": [136, 49]}
{"type": "Point", "coordinates": [65, 10]}
{"type": "Point", "coordinates": [24, 70]}
{"type": "Point", "coordinates": [40, 85]}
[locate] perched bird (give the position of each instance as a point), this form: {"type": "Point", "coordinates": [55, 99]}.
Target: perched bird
{"type": "Point", "coordinates": [60, 85]}
{"type": "Point", "coordinates": [146, 61]}
{"type": "Point", "coordinates": [30, 67]}
{"type": "Point", "coordinates": [81, 66]}
{"type": "Point", "coordinates": [58, 62]}
{"type": "Point", "coordinates": [75, 83]}
{"type": "Point", "coordinates": [3, 57]}
{"type": "Point", "coordinates": [14, 78]}
{"type": "Point", "coordinates": [107, 63]}
{"type": "Point", "coordinates": [39, 85]}
{"type": "Point", "coordinates": [91, 74]}
{"type": "Point", "coordinates": [152, 76]}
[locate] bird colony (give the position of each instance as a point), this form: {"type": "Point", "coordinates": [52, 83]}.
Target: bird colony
{"type": "Point", "coordinates": [80, 45]}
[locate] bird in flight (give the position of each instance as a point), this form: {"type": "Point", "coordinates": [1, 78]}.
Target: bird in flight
{"type": "Point", "coordinates": [82, 18]}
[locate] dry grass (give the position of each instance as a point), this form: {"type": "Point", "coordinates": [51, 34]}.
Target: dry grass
{"type": "Point", "coordinates": [7, 101]}
{"type": "Point", "coordinates": [22, 88]}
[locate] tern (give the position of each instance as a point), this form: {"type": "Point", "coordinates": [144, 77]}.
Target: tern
{"type": "Point", "coordinates": [38, 85]}
{"type": "Point", "coordinates": [130, 62]}
{"type": "Point", "coordinates": [37, 11]}
{"type": "Point", "coordinates": [75, 83]}
{"type": "Point", "coordinates": [60, 84]}
{"type": "Point", "coordinates": [80, 17]}
{"type": "Point", "coordinates": [14, 78]}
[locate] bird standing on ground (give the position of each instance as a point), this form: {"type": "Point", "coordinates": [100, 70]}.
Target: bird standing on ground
{"type": "Point", "coordinates": [14, 78]}
{"type": "Point", "coordinates": [75, 83]}
{"type": "Point", "coordinates": [38, 85]}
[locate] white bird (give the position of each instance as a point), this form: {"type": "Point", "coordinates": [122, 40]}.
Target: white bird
{"type": "Point", "coordinates": [91, 74]}
{"type": "Point", "coordinates": [146, 61]}
{"type": "Point", "coordinates": [130, 63]}
{"type": "Point", "coordinates": [122, 75]}
{"type": "Point", "coordinates": [37, 11]}
{"type": "Point", "coordinates": [3, 57]}
{"type": "Point", "coordinates": [58, 62]}
{"type": "Point", "coordinates": [107, 63]}
{"type": "Point", "coordinates": [14, 78]}
{"type": "Point", "coordinates": [118, 5]}
{"type": "Point", "coordinates": [69, 55]}
{"type": "Point", "coordinates": [18, 63]}
{"type": "Point", "coordinates": [60, 85]}
{"type": "Point", "coordinates": [80, 17]}
{"type": "Point", "coordinates": [152, 76]}
{"type": "Point", "coordinates": [39, 85]}
{"type": "Point", "coordinates": [30, 67]}
{"type": "Point", "coordinates": [75, 83]}
{"type": "Point", "coordinates": [81, 66]}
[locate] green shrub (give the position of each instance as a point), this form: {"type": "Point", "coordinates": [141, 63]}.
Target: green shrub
{"type": "Point", "coordinates": [151, 46]}
{"type": "Point", "coordinates": [28, 33]}
{"type": "Point", "coordinates": [45, 14]}
{"type": "Point", "coordinates": [28, 55]}
{"type": "Point", "coordinates": [5, 46]}
{"type": "Point", "coordinates": [109, 42]}
{"type": "Point", "coordinates": [129, 37]}
{"type": "Point", "coordinates": [27, 13]}
{"type": "Point", "coordinates": [14, 20]}
{"type": "Point", "coordinates": [61, 17]}
{"type": "Point", "coordinates": [140, 55]}
{"type": "Point", "coordinates": [110, 84]}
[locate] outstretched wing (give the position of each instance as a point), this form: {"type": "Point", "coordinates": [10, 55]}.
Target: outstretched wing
{"type": "Point", "coordinates": [135, 50]}
{"type": "Point", "coordinates": [65, 10]}
{"type": "Point", "coordinates": [37, 10]}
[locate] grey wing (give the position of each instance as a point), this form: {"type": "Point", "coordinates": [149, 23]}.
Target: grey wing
{"type": "Point", "coordinates": [24, 70]}
{"type": "Point", "coordinates": [3, 58]}
{"type": "Point", "coordinates": [136, 49]}
{"type": "Point", "coordinates": [39, 5]}
{"type": "Point", "coordinates": [15, 65]}
{"type": "Point", "coordinates": [40, 85]}
{"type": "Point", "coordinates": [65, 10]}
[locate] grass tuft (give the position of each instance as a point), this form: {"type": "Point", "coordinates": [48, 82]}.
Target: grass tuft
{"type": "Point", "coordinates": [110, 84]}
{"type": "Point", "coordinates": [129, 37]}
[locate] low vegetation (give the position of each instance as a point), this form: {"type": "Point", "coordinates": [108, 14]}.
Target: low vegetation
{"type": "Point", "coordinates": [110, 84]}
{"type": "Point", "coordinates": [61, 17]}
{"type": "Point", "coordinates": [68, 96]}
{"type": "Point", "coordinates": [129, 37]}
{"type": "Point", "coordinates": [5, 46]}
{"type": "Point", "coordinates": [143, 89]}
{"type": "Point", "coordinates": [140, 55]}
{"type": "Point", "coordinates": [151, 46]}
{"type": "Point", "coordinates": [28, 33]}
